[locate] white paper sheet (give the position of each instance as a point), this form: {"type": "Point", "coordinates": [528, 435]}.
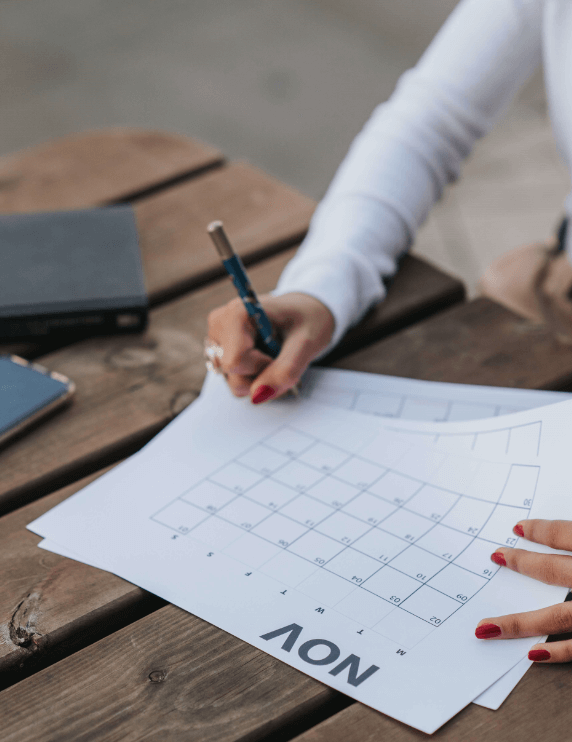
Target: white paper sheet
{"type": "Point", "coordinates": [414, 399]}
{"type": "Point", "coordinates": [494, 696]}
{"type": "Point", "coordinates": [402, 398]}
{"type": "Point", "coordinates": [366, 544]}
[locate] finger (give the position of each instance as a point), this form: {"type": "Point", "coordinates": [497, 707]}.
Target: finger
{"type": "Point", "coordinates": [547, 654]}
{"type": "Point", "coordinates": [554, 533]}
{"type": "Point", "coordinates": [239, 385]}
{"type": "Point", "coordinates": [237, 346]}
{"type": "Point", "coordinates": [557, 619]}
{"type": "Point", "coordinates": [251, 363]}
{"type": "Point", "coordinates": [282, 374]}
{"type": "Point", "coordinates": [230, 327]}
{"type": "Point", "coordinates": [553, 569]}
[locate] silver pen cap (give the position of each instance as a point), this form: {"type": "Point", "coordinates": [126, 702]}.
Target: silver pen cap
{"type": "Point", "coordinates": [220, 240]}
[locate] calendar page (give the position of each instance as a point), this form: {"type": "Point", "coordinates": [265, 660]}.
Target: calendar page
{"type": "Point", "coordinates": [415, 399]}
{"type": "Point", "coordinates": [357, 554]}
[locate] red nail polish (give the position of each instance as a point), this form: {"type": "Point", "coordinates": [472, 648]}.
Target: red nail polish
{"type": "Point", "coordinates": [538, 655]}
{"type": "Point", "coordinates": [499, 559]}
{"type": "Point", "coordinates": [488, 631]}
{"type": "Point", "coordinates": [262, 394]}
{"type": "Point", "coordinates": [519, 530]}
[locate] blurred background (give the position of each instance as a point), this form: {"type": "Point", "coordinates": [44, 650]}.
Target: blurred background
{"type": "Point", "coordinates": [285, 84]}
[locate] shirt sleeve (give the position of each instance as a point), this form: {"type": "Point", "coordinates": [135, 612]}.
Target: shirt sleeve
{"type": "Point", "coordinates": [411, 147]}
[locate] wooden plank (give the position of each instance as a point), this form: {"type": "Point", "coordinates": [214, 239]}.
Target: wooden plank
{"type": "Point", "coordinates": [418, 291]}
{"type": "Point", "coordinates": [128, 387]}
{"type": "Point", "coordinates": [49, 603]}
{"type": "Point", "coordinates": [186, 679]}
{"type": "Point", "coordinates": [97, 168]}
{"type": "Point", "coordinates": [167, 676]}
{"type": "Point", "coordinates": [35, 620]}
{"type": "Point", "coordinates": [537, 709]}
{"type": "Point", "coordinates": [92, 169]}
{"type": "Point", "coordinates": [261, 216]}
{"type": "Point", "coordinates": [478, 342]}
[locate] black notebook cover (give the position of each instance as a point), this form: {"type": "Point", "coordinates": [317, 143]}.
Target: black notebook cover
{"type": "Point", "coordinates": [71, 271]}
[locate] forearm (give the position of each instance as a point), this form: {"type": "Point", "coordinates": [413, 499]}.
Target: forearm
{"type": "Point", "coordinates": [343, 266]}
{"type": "Point", "coordinates": [412, 146]}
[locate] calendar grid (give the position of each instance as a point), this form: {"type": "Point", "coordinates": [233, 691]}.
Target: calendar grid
{"type": "Point", "coordinates": [369, 534]}
{"type": "Point", "coordinates": [396, 405]}
{"type": "Point", "coordinates": [296, 493]}
{"type": "Point", "coordinates": [407, 543]}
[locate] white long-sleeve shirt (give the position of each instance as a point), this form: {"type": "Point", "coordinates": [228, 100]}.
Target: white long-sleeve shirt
{"type": "Point", "coordinates": [414, 144]}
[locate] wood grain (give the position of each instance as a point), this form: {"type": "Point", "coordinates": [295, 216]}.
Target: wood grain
{"type": "Point", "coordinates": [478, 342]}
{"type": "Point", "coordinates": [261, 216]}
{"type": "Point", "coordinates": [47, 600]}
{"type": "Point", "coordinates": [537, 709]}
{"type": "Point", "coordinates": [96, 168]}
{"type": "Point", "coordinates": [92, 169]}
{"type": "Point", "coordinates": [169, 676]}
{"type": "Point", "coordinates": [418, 291]}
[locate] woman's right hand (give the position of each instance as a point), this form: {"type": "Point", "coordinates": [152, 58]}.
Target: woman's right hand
{"type": "Point", "coordinates": [304, 326]}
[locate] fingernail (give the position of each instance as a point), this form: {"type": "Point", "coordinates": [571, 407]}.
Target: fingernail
{"type": "Point", "coordinates": [488, 631]}
{"type": "Point", "coordinates": [538, 655]}
{"type": "Point", "coordinates": [499, 559]}
{"type": "Point", "coordinates": [519, 530]}
{"type": "Point", "coordinates": [262, 394]}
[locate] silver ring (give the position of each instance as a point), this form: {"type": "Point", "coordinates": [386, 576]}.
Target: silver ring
{"type": "Point", "coordinates": [213, 353]}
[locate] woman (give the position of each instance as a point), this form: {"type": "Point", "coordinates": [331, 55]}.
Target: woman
{"type": "Point", "coordinates": [396, 169]}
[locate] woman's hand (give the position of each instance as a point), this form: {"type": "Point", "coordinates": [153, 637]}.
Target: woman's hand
{"type": "Point", "coordinates": [554, 569]}
{"type": "Point", "coordinates": [304, 326]}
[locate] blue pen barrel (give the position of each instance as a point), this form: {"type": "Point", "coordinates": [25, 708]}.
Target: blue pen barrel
{"type": "Point", "coordinates": [236, 271]}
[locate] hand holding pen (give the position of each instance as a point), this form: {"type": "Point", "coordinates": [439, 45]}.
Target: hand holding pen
{"type": "Point", "coordinates": [263, 345]}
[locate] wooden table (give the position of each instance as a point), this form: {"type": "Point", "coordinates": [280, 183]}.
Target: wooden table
{"type": "Point", "coordinates": [85, 655]}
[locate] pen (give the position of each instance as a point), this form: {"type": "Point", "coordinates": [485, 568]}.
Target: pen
{"type": "Point", "coordinates": [236, 271]}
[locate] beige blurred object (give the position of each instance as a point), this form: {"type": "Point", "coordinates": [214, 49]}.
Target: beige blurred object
{"type": "Point", "coordinates": [534, 281]}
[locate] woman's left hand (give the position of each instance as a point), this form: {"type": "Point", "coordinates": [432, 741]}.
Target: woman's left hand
{"type": "Point", "coordinates": [554, 569]}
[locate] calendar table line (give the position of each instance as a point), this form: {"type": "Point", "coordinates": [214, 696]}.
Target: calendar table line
{"type": "Point", "coordinates": [355, 543]}
{"type": "Point", "coordinates": [377, 524]}
{"type": "Point", "coordinates": [363, 585]}
{"type": "Point", "coordinates": [361, 487]}
{"type": "Point", "coordinates": [354, 546]}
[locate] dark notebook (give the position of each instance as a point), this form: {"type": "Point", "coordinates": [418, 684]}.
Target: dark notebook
{"type": "Point", "coordinates": [70, 272]}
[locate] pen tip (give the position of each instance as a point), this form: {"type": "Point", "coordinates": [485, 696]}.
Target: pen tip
{"type": "Point", "coordinates": [214, 226]}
